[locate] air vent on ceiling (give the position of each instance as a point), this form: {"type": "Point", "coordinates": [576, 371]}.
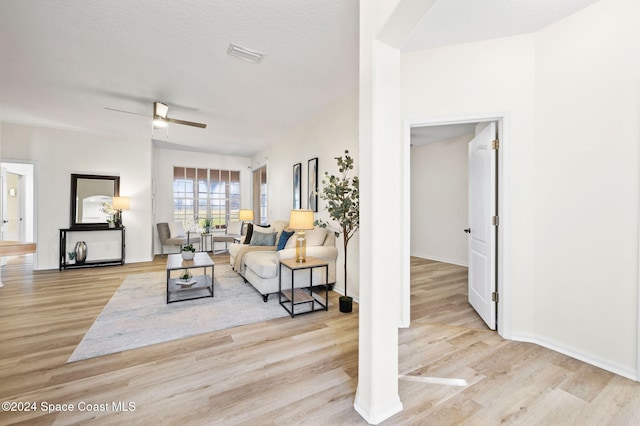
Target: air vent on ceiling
{"type": "Point", "coordinates": [246, 54]}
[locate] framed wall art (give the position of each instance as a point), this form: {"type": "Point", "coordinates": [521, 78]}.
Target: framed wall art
{"type": "Point", "coordinates": [312, 185]}
{"type": "Point", "coordinates": [297, 186]}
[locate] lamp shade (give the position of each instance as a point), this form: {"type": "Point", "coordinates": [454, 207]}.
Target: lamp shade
{"type": "Point", "coordinates": [120, 203]}
{"type": "Point", "coordinates": [245, 214]}
{"type": "Point", "coordinates": [301, 219]}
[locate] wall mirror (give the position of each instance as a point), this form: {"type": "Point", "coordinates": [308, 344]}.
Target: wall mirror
{"type": "Point", "coordinates": [88, 193]}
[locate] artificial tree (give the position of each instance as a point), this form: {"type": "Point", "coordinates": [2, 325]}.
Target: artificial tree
{"type": "Point", "coordinates": [342, 194]}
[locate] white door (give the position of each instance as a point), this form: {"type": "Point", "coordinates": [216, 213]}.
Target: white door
{"type": "Point", "coordinates": [482, 231]}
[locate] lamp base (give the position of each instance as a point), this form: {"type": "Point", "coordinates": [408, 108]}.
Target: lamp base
{"type": "Point", "coordinates": [301, 248]}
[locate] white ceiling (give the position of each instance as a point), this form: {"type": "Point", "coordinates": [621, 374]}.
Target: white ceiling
{"type": "Point", "coordinates": [431, 134]}
{"type": "Point", "coordinates": [461, 21]}
{"type": "Point", "coordinates": [64, 61]}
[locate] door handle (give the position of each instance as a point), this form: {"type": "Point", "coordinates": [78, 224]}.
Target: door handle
{"type": "Point", "coordinates": [468, 230]}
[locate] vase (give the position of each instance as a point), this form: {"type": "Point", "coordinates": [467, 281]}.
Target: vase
{"type": "Point", "coordinates": [188, 255]}
{"type": "Point", "coordinates": [81, 251]}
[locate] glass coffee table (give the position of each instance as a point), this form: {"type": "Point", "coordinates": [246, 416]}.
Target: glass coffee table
{"type": "Point", "coordinates": [183, 283]}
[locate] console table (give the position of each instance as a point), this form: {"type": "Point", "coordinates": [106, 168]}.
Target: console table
{"type": "Point", "coordinates": [64, 263]}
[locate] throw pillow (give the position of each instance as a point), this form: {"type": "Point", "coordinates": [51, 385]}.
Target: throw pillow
{"type": "Point", "coordinates": [176, 230]}
{"type": "Point", "coordinates": [262, 228]}
{"type": "Point", "coordinates": [263, 239]}
{"type": "Point", "coordinates": [247, 238]}
{"type": "Point", "coordinates": [284, 237]}
{"type": "Point", "coordinates": [316, 237]}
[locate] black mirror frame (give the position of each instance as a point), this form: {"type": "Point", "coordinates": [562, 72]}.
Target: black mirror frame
{"type": "Point", "coordinates": [74, 190]}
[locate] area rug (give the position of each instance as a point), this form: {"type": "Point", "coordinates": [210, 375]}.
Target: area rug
{"type": "Point", "coordinates": [138, 314]}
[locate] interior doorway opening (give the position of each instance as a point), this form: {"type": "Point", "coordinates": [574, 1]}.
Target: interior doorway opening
{"type": "Point", "coordinates": [440, 234]}
{"type": "Point", "coordinates": [17, 203]}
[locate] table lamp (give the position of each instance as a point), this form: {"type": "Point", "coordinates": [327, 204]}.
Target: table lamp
{"type": "Point", "coordinates": [300, 220]}
{"type": "Point", "coordinates": [245, 215]}
{"type": "Point", "coordinates": [119, 204]}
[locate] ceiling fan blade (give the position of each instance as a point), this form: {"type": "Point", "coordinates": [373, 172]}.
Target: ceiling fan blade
{"type": "Point", "coordinates": [127, 112]}
{"type": "Point", "coordinates": [187, 123]}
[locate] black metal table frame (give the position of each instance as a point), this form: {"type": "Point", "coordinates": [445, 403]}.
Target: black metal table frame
{"type": "Point", "coordinates": [309, 299]}
{"type": "Point", "coordinates": [209, 287]}
{"type": "Point", "coordinates": [62, 256]}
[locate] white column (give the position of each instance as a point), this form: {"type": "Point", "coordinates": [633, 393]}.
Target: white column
{"type": "Point", "coordinates": [384, 25]}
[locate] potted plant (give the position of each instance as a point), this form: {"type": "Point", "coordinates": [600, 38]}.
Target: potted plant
{"type": "Point", "coordinates": [185, 276]}
{"type": "Point", "coordinates": [188, 252]}
{"type": "Point", "coordinates": [108, 209]}
{"type": "Point", "coordinates": [343, 204]}
{"type": "Point", "coordinates": [207, 225]}
{"type": "Point", "coordinates": [72, 258]}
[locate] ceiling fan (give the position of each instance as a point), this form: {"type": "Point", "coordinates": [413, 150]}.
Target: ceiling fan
{"type": "Point", "coordinates": [160, 118]}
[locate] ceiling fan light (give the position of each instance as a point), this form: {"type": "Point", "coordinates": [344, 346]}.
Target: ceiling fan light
{"type": "Point", "coordinates": [160, 110]}
{"type": "Point", "coordinates": [159, 122]}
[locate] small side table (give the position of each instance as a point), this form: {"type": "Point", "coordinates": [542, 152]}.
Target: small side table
{"type": "Point", "coordinates": [203, 241]}
{"type": "Point", "coordinates": [200, 286]}
{"type": "Point", "coordinates": [298, 296]}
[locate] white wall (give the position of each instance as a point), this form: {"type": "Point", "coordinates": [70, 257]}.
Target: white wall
{"type": "Point", "coordinates": [163, 162]}
{"type": "Point", "coordinates": [586, 174]}
{"type": "Point", "coordinates": [326, 136]}
{"type": "Point", "coordinates": [59, 153]}
{"type": "Point", "coordinates": [439, 200]}
{"type": "Point", "coordinates": [570, 147]}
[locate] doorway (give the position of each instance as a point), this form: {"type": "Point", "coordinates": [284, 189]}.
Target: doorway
{"type": "Point", "coordinates": [444, 234]}
{"type": "Point", "coordinates": [17, 202]}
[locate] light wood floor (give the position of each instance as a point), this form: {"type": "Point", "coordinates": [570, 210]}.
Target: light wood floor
{"type": "Point", "coordinates": [287, 371]}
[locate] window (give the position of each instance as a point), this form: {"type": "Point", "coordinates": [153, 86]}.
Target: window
{"type": "Point", "coordinates": [199, 194]}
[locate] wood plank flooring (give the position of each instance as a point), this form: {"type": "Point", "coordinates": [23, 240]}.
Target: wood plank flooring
{"type": "Point", "coordinates": [286, 371]}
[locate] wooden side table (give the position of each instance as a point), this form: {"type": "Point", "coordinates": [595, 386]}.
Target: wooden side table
{"type": "Point", "coordinates": [297, 296]}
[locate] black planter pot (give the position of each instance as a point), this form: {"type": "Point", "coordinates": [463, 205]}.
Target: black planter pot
{"type": "Point", "coordinates": [346, 304]}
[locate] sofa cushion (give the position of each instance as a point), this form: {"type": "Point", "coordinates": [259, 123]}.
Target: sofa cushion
{"type": "Point", "coordinates": [262, 263]}
{"type": "Point", "coordinates": [314, 237]}
{"type": "Point", "coordinates": [284, 237]}
{"type": "Point", "coordinates": [263, 239]}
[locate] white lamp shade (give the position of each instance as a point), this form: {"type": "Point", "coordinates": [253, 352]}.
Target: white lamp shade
{"type": "Point", "coordinates": [120, 203]}
{"type": "Point", "coordinates": [245, 214]}
{"type": "Point", "coordinates": [301, 219]}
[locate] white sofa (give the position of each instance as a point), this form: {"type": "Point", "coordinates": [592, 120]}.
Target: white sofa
{"type": "Point", "coordinates": [260, 266]}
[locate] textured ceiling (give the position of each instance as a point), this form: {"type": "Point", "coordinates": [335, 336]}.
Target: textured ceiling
{"type": "Point", "coordinates": [64, 61]}
{"type": "Point", "coordinates": [461, 21]}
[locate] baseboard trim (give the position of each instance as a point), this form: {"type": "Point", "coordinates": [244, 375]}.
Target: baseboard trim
{"type": "Point", "coordinates": [607, 365]}
{"type": "Point", "coordinates": [441, 259]}
{"type": "Point", "coordinates": [340, 291]}
{"type": "Point", "coordinates": [373, 416]}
